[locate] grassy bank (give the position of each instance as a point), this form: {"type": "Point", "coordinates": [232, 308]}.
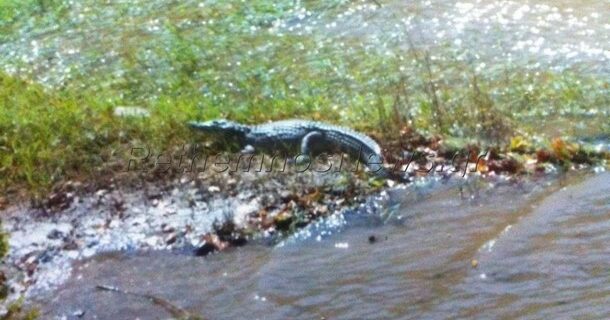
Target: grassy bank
{"type": "Point", "coordinates": [233, 60]}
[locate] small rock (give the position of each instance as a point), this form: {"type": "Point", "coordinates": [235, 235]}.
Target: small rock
{"type": "Point", "coordinates": [165, 228]}
{"type": "Point", "coordinates": [205, 249]}
{"type": "Point", "coordinates": [283, 220]}
{"type": "Point", "coordinates": [286, 196]}
{"type": "Point", "coordinates": [73, 185]}
{"type": "Point", "coordinates": [101, 193]}
{"type": "Point", "coordinates": [170, 239]}
{"type": "Point", "coordinates": [113, 224]}
{"type": "Point", "coordinates": [70, 245]}
{"type": "Point", "coordinates": [322, 209]}
{"type": "Point", "coordinates": [78, 313]}
{"type": "Point", "coordinates": [30, 268]}
{"type": "Point", "coordinates": [3, 203]}
{"type": "Point", "coordinates": [238, 241]}
{"type": "Point", "coordinates": [474, 263]}
{"type": "Point", "coordinates": [154, 195]}
{"type": "Point", "coordinates": [59, 200]}
{"type": "Point", "coordinates": [372, 239]}
{"type": "Point", "coordinates": [55, 234]}
{"type": "Point", "coordinates": [212, 243]}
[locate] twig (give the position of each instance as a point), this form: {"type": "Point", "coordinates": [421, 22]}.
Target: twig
{"type": "Point", "coordinates": [172, 309]}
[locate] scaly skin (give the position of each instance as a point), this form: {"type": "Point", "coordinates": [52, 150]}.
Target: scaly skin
{"type": "Point", "coordinates": [306, 136]}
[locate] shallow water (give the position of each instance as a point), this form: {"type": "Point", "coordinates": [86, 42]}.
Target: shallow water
{"type": "Point", "coordinates": [554, 34]}
{"type": "Point", "coordinates": [541, 33]}
{"type": "Point", "coordinates": [530, 249]}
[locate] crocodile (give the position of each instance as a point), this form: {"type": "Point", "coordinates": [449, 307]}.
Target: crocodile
{"type": "Point", "coordinates": [308, 137]}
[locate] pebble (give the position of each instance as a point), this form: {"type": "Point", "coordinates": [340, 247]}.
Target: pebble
{"type": "Point", "coordinates": [78, 313]}
{"type": "Point", "coordinates": [171, 238]}
{"type": "Point", "coordinates": [205, 249]}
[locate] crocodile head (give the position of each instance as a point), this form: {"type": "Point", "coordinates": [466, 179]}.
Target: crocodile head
{"type": "Point", "coordinates": [222, 127]}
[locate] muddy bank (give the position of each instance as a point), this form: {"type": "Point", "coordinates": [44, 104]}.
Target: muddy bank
{"type": "Point", "coordinates": [215, 211]}
{"type": "Point", "coordinates": [194, 216]}
{"type": "Point", "coordinates": [533, 248]}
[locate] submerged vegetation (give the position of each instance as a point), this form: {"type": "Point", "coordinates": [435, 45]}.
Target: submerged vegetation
{"type": "Point", "coordinates": [250, 61]}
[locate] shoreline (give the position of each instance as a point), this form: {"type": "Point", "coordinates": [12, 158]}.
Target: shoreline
{"type": "Point", "coordinates": [235, 208]}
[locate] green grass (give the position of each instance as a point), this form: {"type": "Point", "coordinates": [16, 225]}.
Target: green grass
{"type": "Point", "coordinates": [237, 68]}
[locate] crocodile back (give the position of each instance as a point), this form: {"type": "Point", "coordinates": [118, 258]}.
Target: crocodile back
{"type": "Point", "coordinates": [285, 135]}
{"type": "Point", "coordinates": [291, 132]}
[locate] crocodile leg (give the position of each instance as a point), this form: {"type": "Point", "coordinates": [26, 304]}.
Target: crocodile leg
{"type": "Point", "coordinates": [309, 140]}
